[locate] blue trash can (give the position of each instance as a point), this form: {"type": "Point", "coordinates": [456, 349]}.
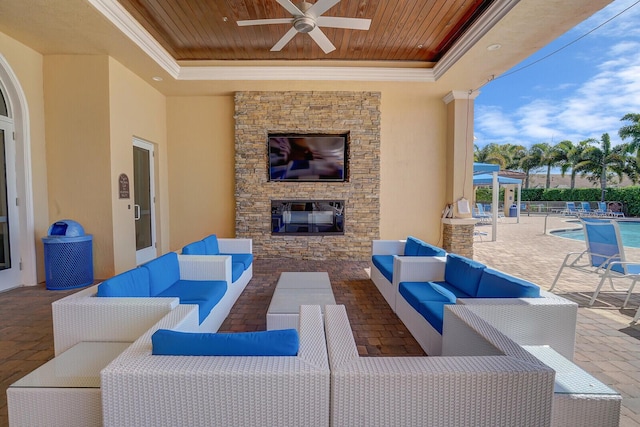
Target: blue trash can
{"type": "Point", "coordinates": [68, 256]}
{"type": "Point", "coordinates": [513, 211]}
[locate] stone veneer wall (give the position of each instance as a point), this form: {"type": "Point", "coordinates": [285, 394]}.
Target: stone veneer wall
{"type": "Point", "coordinates": [259, 113]}
{"type": "Point", "coordinates": [458, 239]}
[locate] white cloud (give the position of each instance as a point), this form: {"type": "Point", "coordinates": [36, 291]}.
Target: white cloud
{"type": "Point", "coordinates": [493, 121]}
{"type": "Point", "coordinates": [576, 110]}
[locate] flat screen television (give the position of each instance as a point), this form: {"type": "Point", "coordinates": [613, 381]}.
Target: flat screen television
{"type": "Point", "coordinates": [307, 157]}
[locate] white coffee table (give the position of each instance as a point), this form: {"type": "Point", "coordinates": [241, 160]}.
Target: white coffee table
{"type": "Point", "coordinates": [293, 290]}
{"type": "Point", "coordinates": [65, 391]}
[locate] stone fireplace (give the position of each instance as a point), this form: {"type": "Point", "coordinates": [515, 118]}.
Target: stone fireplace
{"type": "Point", "coordinates": [258, 114]}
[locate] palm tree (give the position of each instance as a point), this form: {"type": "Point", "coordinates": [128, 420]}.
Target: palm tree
{"type": "Point", "coordinates": [529, 162]}
{"type": "Point", "coordinates": [632, 130]}
{"type": "Point", "coordinates": [513, 153]}
{"type": "Point", "coordinates": [568, 156]}
{"type": "Point", "coordinates": [598, 162]}
{"type": "Point", "coordinates": [490, 153]}
{"type": "Point", "coordinates": [546, 157]}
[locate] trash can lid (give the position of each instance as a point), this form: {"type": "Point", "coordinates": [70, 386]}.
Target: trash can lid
{"type": "Point", "coordinates": [67, 228]}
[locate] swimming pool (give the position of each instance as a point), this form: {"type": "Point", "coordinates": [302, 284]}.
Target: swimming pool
{"type": "Point", "coordinates": [629, 231]}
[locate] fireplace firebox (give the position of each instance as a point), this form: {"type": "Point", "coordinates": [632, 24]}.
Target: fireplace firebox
{"type": "Point", "coordinates": [307, 217]}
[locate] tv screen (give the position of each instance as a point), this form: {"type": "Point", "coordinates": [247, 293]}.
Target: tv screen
{"type": "Point", "coordinates": [307, 157]}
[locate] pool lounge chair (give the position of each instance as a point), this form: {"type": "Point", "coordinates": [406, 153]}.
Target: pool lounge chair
{"type": "Point", "coordinates": [601, 210]}
{"type": "Point", "coordinates": [482, 213]}
{"type": "Point", "coordinates": [479, 213]}
{"type": "Point", "coordinates": [586, 209]}
{"type": "Point", "coordinates": [604, 256]}
{"type": "Point", "coordinates": [570, 209]}
{"type": "Point", "coordinates": [605, 211]}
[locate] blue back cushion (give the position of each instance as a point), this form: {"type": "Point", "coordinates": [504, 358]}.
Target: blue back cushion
{"type": "Point", "coordinates": [195, 248]}
{"type": "Point", "coordinates": [463, 273]}
{"type": "Point", "coordinates": [164, 271]}
{"type": "Point", "coordinates": [430, 250]}
{"type": "Point", "coordinates": [496, 284]}
{"type": "Point", "coordinates": [282, 342]}
{"type": "Point", "coordinates": [132, 283]}
{"type": "Point", "coordinates": [416, 247]}
{"type": "Point", "coordinates": [412, 246]}
{"type": "Point", "coordinates": [205, 293]}
{"type": "Point", "coordinates": [211, 245]}
{"type": "Point", "coordinates": [237, 268]}
{"type": "Point", "coordinates": [384, 263]}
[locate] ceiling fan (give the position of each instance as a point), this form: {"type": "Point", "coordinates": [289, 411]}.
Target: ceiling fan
{"type": "Point", "coordinates": [307, 19]}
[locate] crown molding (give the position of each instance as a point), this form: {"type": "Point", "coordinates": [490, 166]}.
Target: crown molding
{"type": "Point", "coordinates": [306, 73]}
{"type": "Point", "coordinates": [118, 16]}
{"type": "Point", "coordinates": [122, 19]}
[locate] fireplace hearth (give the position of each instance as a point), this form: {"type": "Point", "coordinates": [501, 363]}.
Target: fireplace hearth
{"type": "Point", "coordinates": [307, 217]}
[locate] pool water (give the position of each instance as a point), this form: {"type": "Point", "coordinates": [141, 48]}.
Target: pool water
{"type": "Point", "coordinates": [629, 231]}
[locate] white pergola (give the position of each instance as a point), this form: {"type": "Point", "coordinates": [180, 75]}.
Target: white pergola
{"type": "Point", "coordinates": [486, 174]}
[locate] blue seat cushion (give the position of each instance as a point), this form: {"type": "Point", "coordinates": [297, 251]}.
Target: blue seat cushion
{"type": "Point", "coordinates": [417, 292]}
{"type": "Point", "coordinates": [463, 273]}
{"type": "Point", "coordinates": [416, 247]}
{"type": "Point", "coordinates": [244, 259]}
{"type": "Point", "coordinates": [433, 312]}
{"type": "Point", "coordinates": [164, 271]}
{"type": "Point", "coordinates": [384, 263]}
{"type": "Point", "coordinates": [281, 342]}
{"type": "Point", "coordinates": [453, 290]}
{"type": "Point", "coordinates": [132, 283]}
{"type": "Point", "coordinates": [205, 293]}
{"type": "Point", "coordinates": [237, 268]}
{"type": "Point", "coordinates": [496, 284]}
{"type": "Point", "coordinates": [195, 248]}
{"type": "Point", "coordinates": [211, 245]}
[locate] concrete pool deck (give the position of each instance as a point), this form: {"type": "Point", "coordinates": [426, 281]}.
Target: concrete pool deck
{"type": "Point", "coordinates": [607, 346]}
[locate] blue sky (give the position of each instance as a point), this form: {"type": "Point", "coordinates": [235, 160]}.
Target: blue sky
{"type": "Point", "coordinates": [578, 93]}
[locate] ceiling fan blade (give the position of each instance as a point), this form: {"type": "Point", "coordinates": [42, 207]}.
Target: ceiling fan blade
{"type": "Point", "coordinates": [318, 36]}
{"type": "Point", "coordinates": [264, 22]}
{"type": "Point", "coordinates": [338, 22]}
{"type": "Point", "coordinates": [321, 6]}
{"type": "Point", "coordinates": [284, 40]}
{"type": "Point", "coordinates": [291, 8]}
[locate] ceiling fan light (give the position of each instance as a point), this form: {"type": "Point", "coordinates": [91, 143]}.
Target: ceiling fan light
{"type": "Point", "coordinates": [304, 24]}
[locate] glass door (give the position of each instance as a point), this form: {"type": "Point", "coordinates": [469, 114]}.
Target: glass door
{"type": "Point", "coordinates": [9, 242]}
{"type": "Point", "coordinates": [144, 201]}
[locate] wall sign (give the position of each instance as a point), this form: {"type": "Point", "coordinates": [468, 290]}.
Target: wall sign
{"type": "Point", "coordinates": [123, 186]}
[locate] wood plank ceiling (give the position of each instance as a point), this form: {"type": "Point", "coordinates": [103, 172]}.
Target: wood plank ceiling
{"type": "Point", "coordinates": [401, 30]}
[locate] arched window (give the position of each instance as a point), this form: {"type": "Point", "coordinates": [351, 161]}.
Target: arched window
{"type": "Point", "coordinates": [4, 111]}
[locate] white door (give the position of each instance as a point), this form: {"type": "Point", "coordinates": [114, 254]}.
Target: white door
{"type": "Point", "coordinates": [144, 201]}
{"type": "Point", "coordinates": [9, 219]}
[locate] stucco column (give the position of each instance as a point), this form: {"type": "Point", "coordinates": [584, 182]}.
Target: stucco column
{"type": "Point", "coordinates": [459, 168]}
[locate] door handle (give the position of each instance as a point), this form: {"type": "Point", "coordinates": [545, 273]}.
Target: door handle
{"type": "Point", "coordinates": [136, 212]}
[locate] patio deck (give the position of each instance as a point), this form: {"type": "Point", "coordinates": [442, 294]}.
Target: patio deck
{"type": "Point", "coordinates": [606, 345]}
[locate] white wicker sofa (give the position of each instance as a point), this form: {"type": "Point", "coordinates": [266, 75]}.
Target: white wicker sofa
{"type": "Point", "coordinates": [85, 317]}
{"type": "Point", "coordinates": [506, 387]}
{"type": "Point", "coordinates": [387, 272]}
{"type": "Point", "coordinates": [141, 389]}
{"type": "Point", "coordinates": [545, 320]}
